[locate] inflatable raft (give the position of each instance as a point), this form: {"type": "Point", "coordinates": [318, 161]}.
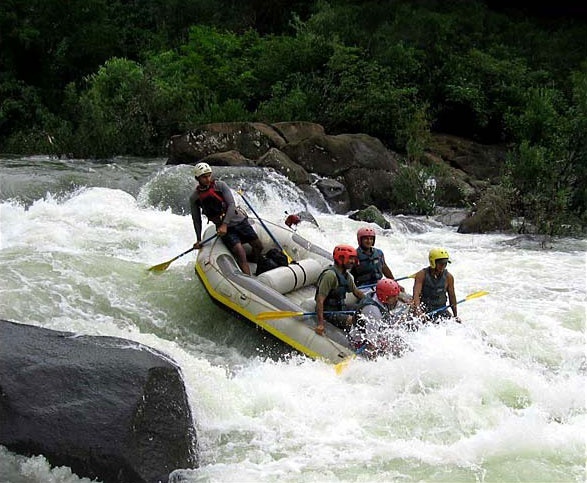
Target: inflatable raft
{"type": "Point", "coordinates": [286, 292]}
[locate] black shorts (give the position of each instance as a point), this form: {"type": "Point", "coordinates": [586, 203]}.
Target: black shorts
{"type": "Point", "coordinates": [241, 233]}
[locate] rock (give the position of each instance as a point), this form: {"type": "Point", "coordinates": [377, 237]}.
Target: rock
{"type": "Point", "coordinates": [278, 160]}
{"type": "Point", "coordinates": [227, 158]}
{"type": "Point", "coordinates": [369, 187]}
{"type": "Point", "coordinates": [450, 216]}
{"type": "Point", "coordinates": [371, 214]}
{"type": "Point", "coordinates": [368, 172]}
{"type": "Point", "coordinates": [251, 139]}
{"type": "Point", "coordinates": [333, 155]}
{"type": "Point", "coordinates": [479, 161]}
{"type": "Point", "coordinates": [335, 194]}
{"type": "Point", "coordinates": [108, 408]}
{"type": "Point", "coordinates": [294, 132]}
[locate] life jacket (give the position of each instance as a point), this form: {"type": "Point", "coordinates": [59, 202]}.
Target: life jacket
{"type": "Point", "coordinates": [335, 300]}
{"type": "Point", "coordinates": [370, 267]}
{"type": "Point", "coordinates": [389, 316]}
{"type": "Point", "coordinates": [369, 300]}
{"type": "Point", "coordinates": [212, 202]}
{"type": "Point", "coordinates": [433, 290]}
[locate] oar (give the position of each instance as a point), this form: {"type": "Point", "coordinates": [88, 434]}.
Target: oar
{"type": "Point", "coordinates": [473, 295]}
{"type": "Point", "coordinates": [282, 314]}
{"type": "Point", "coordinates": [289, 259]}
{"type": "Point", "coordinates": [413, 275]}
{"type": "Point", "coordinates": [163, 266]}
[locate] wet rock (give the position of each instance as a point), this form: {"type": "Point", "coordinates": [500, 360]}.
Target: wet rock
{"type": "Point", "coordinates": [108, 408]}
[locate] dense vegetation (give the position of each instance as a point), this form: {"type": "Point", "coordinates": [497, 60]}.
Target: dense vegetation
{"type": "Point", "coordinates": [108, 77]}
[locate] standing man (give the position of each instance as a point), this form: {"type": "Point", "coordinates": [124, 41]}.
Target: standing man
{"type": "Point", "coordinates": [333, 285]}
{"type": "Point", "coordinates": [432, 284]}
{"type": "Point", "coordinates": [215, 200]}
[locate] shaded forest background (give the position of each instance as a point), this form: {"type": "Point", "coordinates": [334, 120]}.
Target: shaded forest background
{"type": "Point", "coordinates": [101, 78]}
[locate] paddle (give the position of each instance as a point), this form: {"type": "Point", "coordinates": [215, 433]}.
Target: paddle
{"type": "Point", "coordinates": [289, 259]}
{"type": "Point", "coordinates": [277, 314]}
{"type": "Point", "coordinates": [163, 266]}
{"type": "Point", "coordinates": [413, 275]}
{"type": "Point", "coordinates": [473, 295]}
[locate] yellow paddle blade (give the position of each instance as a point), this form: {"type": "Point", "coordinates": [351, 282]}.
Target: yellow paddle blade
{"type": "Point", "coordinates": [161, 266]}
{"type": "Point", "coordinates": [276, 314]}
{"type": "Point", "coordinates": [341, 366]}
{"type": "Point", "coordinates": [476, 295]}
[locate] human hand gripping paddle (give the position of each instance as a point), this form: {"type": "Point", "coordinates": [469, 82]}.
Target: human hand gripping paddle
{"type": "Point", "coordinates": [163, 266]}
{"type": "Point", "coordinates": [369, 285]}
{"type": "Point", "coordinates": [473, 295]}
{"type": "Point", "coordinates": [282, 314]}
{"type": "Point", "coordinates": [289, 259]}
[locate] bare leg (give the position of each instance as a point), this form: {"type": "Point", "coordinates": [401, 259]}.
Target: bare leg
{"type": "Point", "coordinates": [241, 258]}
{"type": "Point", "coordinates": [257, 247]}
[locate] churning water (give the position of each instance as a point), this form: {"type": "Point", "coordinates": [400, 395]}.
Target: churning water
{"type": "Point", "coordinates": [500, 398]}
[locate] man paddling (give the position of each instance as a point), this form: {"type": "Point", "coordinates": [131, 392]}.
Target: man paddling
{"type": "Point", "coordinates": [333, 285]}
{"type": "Point", "coordinates": [431, 286]}
{"type": "Point", "coordinates": [215, 200]}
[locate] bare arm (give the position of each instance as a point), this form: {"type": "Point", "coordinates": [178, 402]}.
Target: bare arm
{"type": "Point", "coordinates": [196, 215]}
{"type": "Point", "coordinates": [452, 298]}
{"type": "Point", "coordinates": [386, 270]}
{"type": "Point", "coordinates": [389, 274]}
{"type": "Point", "coordinates": [356, 292]}
{"type": "Point", "coordinates": [320, 313]}
{"type": "Point", "coordinates": [418, 284]}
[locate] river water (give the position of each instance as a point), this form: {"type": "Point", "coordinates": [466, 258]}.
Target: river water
{"type": "Point", "coordinates": [500, 398]}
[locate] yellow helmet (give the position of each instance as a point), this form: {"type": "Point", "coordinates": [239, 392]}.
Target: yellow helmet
{"type": "Point", "coordinates": [437, 254]}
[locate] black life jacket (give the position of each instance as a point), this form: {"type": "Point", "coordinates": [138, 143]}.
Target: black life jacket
{"type": "Point", "coordinates": [370, 267]}
{"type": "Point", "coordinates": [335, 300]}
{"type": "Point", "coordinates": [433, 290]}
{"type": "Point", "coordinates": [212, 202]}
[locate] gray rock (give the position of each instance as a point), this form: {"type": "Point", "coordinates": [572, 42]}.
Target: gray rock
{"type": "Point", "coordinates": [108, 408]}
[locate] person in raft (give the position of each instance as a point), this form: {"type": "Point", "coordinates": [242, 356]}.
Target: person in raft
{"type": "Point", "coordinates": [432, 284]}
{"type": "Point", "coordinates": [371, 266]}
{"type": "Point", "coordinates": [380, 317]}
{"type": "Point", "coordinates": [332, 286]}
{"type": "Point", "coordinates": [214, 198]}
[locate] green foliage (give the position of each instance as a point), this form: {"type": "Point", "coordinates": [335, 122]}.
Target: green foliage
{"type": "Point", "coordinates": [361, 96]}
{"type": "Point", "coordinates": [114, 111]}
{"type": "Point", "coordinates": [413, 191]}
{"type": "Point", "coordinates": [101, 78]}
{"type": "Point", "coordinates": [288, 102]}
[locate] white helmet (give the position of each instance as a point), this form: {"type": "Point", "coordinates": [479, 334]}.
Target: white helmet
{"type": "Point", "coordinates": [202, 168]}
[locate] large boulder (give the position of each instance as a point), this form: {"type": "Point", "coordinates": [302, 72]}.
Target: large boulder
{"type": "Point", "coordinates": [479, 161]}
{"type": "Point", "coordinates": [251, 139]}
{"type": "Point", "coordinates": [278, 160]}
{"type": "Point", "coordinates": [294, 132]}
{"type": "Point", "coordinates": [369, 187]}
{"type": "Point", "coordinates": [110, 409]}
{"type": "Point", "coordinates": [354, 170]}
{"type": "Point", "coordinates": [334, 155]}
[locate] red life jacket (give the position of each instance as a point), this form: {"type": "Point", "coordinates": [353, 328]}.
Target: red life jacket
{"type": "Point", "coordinates": [212, 202]}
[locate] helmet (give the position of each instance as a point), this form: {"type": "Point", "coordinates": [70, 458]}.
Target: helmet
{"type": "Point", "coordinates": [365, 231]}
{"type": "Point", "coordinates": [343, 253]}
{"type": "Point", "coordinates": [385, 288]}
{"type": "Point", "coordinates": [292, 220]}
{"type": "Point", "coordinates": [437, 254]}
{"type": "Point", "coordinates": [202, 168]}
